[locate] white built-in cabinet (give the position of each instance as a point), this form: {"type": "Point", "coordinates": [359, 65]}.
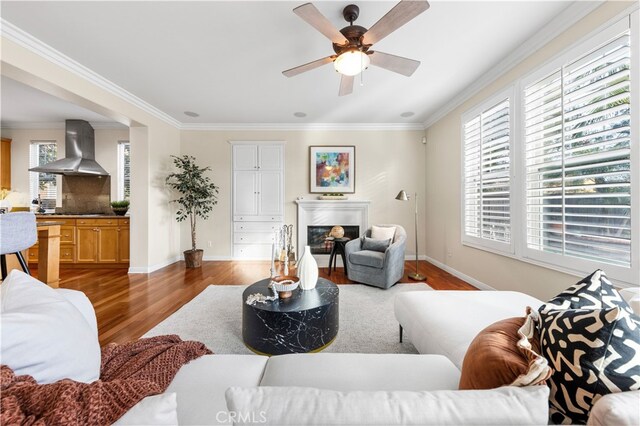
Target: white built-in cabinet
{"type": "Point", "coordinates": [258, 197]}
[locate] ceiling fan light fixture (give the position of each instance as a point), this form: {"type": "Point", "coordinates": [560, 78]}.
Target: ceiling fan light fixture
{"type": "Point", "coordinates": [351, 62]}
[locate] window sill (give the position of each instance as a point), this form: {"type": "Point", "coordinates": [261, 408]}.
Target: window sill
{"type": "Point", "coordinates": [569, 271]}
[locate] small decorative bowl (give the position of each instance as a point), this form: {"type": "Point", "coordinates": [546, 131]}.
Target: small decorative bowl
{"type": "Point", "coordinates": [284, 285]}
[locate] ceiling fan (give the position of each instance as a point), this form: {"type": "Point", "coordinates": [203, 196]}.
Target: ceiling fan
{"type": "Point", "coordinates": [352, 44]}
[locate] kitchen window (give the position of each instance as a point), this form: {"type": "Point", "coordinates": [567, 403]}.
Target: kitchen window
{"type": "Point", "coordinates": [44, 185]}
{"type": "Point", "coordinates": [124, 170]}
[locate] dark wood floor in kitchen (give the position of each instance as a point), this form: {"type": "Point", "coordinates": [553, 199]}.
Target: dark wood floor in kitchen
{"type": "Point", "coordinates": [128, 305]}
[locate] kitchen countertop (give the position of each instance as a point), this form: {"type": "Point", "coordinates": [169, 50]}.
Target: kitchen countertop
{"type": "Point", "coordinates": [79, 216]}
{"type": "Point", "coordinates": [49, 223]}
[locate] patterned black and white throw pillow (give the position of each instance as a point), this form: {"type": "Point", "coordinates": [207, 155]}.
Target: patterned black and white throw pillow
{"type": "Point", "coordinates": [592, 292]}
{"type": "Point", "coordinates": [593, 352]}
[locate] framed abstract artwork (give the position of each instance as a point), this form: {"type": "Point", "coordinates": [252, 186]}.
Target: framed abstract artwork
{"type": "Point", "coordinates": [332, 169]}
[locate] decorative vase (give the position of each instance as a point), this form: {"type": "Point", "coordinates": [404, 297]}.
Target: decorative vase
{"type": "Point", "coordinates": [307, 270]}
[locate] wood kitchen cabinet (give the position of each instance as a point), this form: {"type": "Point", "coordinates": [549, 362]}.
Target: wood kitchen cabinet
{"type": "Point", "coordinates": [87, 247]}
{"type": "Point", "coordinates": [91, 242]}
{"type": "Point", "coordinates": [100, 243]}
{"type": "Point", "coordinates": [5, 163]}
{"type": "Point", "coordinates": [123, 244]}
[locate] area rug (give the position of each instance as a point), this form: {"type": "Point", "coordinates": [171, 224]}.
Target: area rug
{"type": "Point", "coordinates": [367, 322]}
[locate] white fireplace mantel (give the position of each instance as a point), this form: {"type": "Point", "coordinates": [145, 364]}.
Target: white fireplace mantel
{"type": "Point", "coordinates": [330, 213]}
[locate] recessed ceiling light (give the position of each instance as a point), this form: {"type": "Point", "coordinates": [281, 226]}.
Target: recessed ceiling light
{"type": "Point", "coordinates": [300, 114]}
{"type": "Point", "coordinates": [407, 114]}
{"type": "Point", "coordinates": [191, 114]}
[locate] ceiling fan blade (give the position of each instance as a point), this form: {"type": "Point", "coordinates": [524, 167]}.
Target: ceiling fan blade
{"type": "Point", "coordinates": [401, 13]}
{"type": "Point", "coordinates": [307, 67]}
{"type": "Point", "coordinates": [317, 20]}
{"type": "Point", "coordinates": [346, 85]}
{"type": "Point", "coordinates": [404, 66]}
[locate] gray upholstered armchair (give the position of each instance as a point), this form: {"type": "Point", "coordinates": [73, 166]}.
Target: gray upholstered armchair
{"type": "Point", "coordinates": [373, 267]}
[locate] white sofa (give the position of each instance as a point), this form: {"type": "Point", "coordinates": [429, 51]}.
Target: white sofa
{"type": "Point", "coordinates": [446, 322]}
{"type": "Point", "coordinates": [419, 380]}
{"type": "Point", "coordinates": [305, 388]}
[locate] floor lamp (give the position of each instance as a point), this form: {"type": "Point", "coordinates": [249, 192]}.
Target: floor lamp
{"type": "Point", "coordinates": [402, 196]}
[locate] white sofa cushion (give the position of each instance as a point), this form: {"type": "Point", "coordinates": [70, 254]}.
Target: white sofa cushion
{"type": "Point", "coordinates": [44, 335]}
{"type": "Point", "coordinates": [308, 406]}
{"type": "Point", "coordinates": [201, 384]}
{"type": "Point", "coordinates": [82, 304]}
{"type": "Point", "coordinates": [445, 322]}
{"type": "Point", "coordinates": [351, 372]}
{"type": "Point", "coordinates": [621, 409]}
{"type": "Point", "coordinates": [632, 296]}
{"type": "Point", "coordinates": [157, 410]}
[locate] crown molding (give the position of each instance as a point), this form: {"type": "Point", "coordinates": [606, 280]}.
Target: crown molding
{"type": "Point", "coordinates": [29, 42]}
{"type": "Point", "coordinates": [301, 126]}
{"type": "Point", "coordinates": [57, 125]}
{"type": "Point", "coordinates": [563, 21]}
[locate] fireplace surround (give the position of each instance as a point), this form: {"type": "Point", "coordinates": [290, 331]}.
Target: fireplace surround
{"type": "Point", "coordinates": [318, 237]}
{"type": "Point", "coordinates": [326, 214]}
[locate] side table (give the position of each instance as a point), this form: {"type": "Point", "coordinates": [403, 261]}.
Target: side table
{"type": "Point", "coordinates": [338, 248]}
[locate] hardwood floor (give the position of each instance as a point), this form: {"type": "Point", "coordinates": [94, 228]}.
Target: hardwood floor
{"type": "Point", "coordinates": [128, 305]}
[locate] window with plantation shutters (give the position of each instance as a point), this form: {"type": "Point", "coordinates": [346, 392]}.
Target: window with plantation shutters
{"type": "Point", "coordinates": [577, 140]}
{"type": "Point", "coordinates": [551, 171]}
{"type": "Point", "coordinates": [43, 184]}
{"type": "Point", "coordinates": [487, 174]}
{"type": "Point", "coordinates": [124, 170]}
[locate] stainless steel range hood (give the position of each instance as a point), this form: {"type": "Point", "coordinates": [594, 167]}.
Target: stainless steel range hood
{"type": "Point", "coordinates": [80, 153]}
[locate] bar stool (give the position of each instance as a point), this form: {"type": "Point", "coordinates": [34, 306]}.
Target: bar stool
{"type": "Point", "coordinates": [17, 232]}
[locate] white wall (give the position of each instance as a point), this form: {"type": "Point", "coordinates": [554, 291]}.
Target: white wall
{"type": "Point", "coordinates": [106, 156]}
{"type": "Point", "coordinates": [444, 176]}
{"type": "Point", "coordinates": [386, 162]}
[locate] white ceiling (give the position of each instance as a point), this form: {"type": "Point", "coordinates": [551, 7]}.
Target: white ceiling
{"type": "Point", "coordinates": [224, 59]}
{"type": "Point", "coordinates": [24, 104]}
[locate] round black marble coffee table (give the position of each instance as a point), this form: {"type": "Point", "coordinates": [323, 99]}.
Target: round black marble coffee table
{"type": "Point", "coordinates": [305, 322]}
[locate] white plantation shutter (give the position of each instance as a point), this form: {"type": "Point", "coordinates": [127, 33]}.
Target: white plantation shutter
{"type": "Point", "coordinates": [472, 185]}
{"type": "Point", "coordinates": [578, 157]}
{"type": "Point", "coordinates": [43, 184]}
{"type": "Point", "coordinates": [124, 170]}
{"type": "Point", "coordinates": [487, 174]}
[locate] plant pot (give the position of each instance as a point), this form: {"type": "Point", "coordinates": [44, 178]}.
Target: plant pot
{"type": "Point", "coordinates": [120, 211]}
{"type": "Point", "coordinates": [193, 258]}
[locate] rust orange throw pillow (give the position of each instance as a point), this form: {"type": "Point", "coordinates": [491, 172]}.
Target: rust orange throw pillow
{"type": "Point", "coordinates": [505, 353]}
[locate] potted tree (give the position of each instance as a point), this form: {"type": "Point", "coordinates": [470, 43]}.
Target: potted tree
{"type": "Point", "coordinates": [198, 195]}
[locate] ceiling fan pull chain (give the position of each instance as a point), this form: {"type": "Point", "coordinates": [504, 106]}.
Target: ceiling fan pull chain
{"type": "Point", "coordinates": [362, 72]}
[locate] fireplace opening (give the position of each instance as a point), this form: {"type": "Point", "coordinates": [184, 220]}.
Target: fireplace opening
{"type": "Point", "coordinates": [319, 240]}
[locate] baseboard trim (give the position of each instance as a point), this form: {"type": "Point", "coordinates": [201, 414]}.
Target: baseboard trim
{"type": "Point", "coordinates": [153, 268]}
{"type": "Point", "coordinates": [477, 284]}
{"type": "Point", "coordinates": [210, 258]}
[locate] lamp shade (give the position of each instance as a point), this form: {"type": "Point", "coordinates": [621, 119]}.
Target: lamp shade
{"type": "Point", "coordinates": [402, 196]}
{"type": "Point", "coordinates": [352, 62]}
